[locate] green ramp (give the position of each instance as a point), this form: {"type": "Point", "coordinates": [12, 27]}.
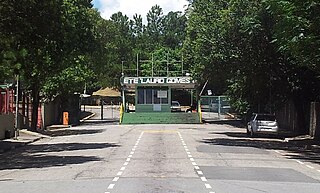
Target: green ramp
{"type": "Point", "coordinates": [161, 118]}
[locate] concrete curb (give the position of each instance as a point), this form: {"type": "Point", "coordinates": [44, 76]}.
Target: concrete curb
{"type": "Point", "coordinates": [88, 117]}
{"type": "Point", "coordinates": [298, 138]}
{"type": "Point", "coordinates": [34, 133]}
{"type": "Point", "coordinates": [20, 144]}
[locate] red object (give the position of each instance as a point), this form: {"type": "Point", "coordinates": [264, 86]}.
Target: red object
{"type": "Point", "coordinates": [6, 100]}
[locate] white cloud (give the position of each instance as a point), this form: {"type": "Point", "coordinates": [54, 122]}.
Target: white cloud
{"type": "Point", "coordinates": [131, 7]}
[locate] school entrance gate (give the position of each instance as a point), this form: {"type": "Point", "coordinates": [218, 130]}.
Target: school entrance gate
{"type": "Point", "coordinates": [152, 100]}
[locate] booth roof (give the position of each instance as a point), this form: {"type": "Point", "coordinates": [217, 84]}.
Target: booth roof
{"type": "Point", "coordinates": [107, 92]}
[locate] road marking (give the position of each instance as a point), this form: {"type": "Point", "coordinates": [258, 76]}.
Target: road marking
{"type": "Point", "coordinates": [204, 179]}
{"type": "Point", "coordinates": [111, 186]}
{"type": "Point", "coordinates": [196, 167]}
{"type": "Point", "coordinates": [311, 167]}
{"type": "Point", "coordinates": [160, 131]}
{"type": "Point", "coordinates": [200, 172]}
{"type": "Point", "coordinates": [115, 179]}
{"type": "Point", "coordinates": [318, 170]}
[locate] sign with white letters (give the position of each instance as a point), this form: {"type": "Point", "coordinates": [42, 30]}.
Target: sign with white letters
{"type": "Point", "coordinates": [157, 80]}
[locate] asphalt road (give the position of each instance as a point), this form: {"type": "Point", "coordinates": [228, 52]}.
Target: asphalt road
{"type": "Point", "coordinates": [102, 158]}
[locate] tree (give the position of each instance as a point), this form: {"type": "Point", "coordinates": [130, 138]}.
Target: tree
{"type": "Point", "coordinates": [154, 27]}
{"type": "Point", "coordinates": [174, 28]}
{"type": "Point", "coordinates": [228, 43]}
{"type": "Point", "coordinates": [48, 35]}
{"type": "Point", "coordinates": [296, 32]}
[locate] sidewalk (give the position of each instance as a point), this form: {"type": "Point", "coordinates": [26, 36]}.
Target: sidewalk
{"type": "Point", "coordinates": [305, 141]}
{"type": "Point", "coordinates": [25, 137]}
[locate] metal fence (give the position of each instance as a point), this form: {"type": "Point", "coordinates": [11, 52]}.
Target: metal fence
{"type": "Point", "coordinates": [214, 107]}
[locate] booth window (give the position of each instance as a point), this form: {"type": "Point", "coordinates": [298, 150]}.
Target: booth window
{"type": "Point", "coordinates": [152, 96]}
{"type": "Point", "coordinates": [141, 96]}
{"type": "Point", "coordinates": [149, 96]}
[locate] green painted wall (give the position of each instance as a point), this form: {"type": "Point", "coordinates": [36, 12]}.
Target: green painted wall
{"type": "Point", "coordinates": [161, 118]}
{"type": "Point", "coordinates": [149, 108]}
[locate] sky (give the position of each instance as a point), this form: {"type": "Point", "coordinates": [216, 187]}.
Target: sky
{"type": "Point", "coordinates": [131, 7]}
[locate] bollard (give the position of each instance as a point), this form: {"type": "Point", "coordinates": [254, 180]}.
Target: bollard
{"type": "Point", "coordinates": [65, 118]}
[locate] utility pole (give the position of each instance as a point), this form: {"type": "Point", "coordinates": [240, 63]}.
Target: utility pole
{"type": "Point", "coordinates": [137, 65]}
{"type": "Point", "coordinates": [152, 64]}
{"type": "Point", "coordinates": [122, 67]}
{"type": "Point", "coordinates": [182, 67]}
{"type": "Point", "coordinates": [167, 64]}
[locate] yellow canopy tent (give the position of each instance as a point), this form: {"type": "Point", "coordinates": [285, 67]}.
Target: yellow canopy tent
{"type": "Point", "coordinates": [107, 92]}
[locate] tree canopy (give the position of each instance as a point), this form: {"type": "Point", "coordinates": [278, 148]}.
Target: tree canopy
{"type": "Point", "coordinates": [259, 53]}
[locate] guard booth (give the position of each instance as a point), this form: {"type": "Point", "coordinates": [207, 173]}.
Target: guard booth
{"type": "Point", "coordinates": [153, 96]}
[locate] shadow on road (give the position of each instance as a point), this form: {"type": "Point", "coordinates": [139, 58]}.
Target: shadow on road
{"type": "Point", "coordinates": [99, 121]}
{"type": "Point", "coordinates": [296, 149]}
{"type": "Point", "coordinates": [245, 135]}
{"type": "Point", "coordinates": [37, 156]}
{"type": "Point", "coordinates": [68, 131]}
{"type": "Point", "coordinates": [233, 123]}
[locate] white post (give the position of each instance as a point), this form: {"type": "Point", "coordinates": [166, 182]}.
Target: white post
{"type": "Point", "coordinates": [219, 106]}
{"type": "Point", "coordinates": [123, 99]}
{"type": "Point", "coordinates": [16, 132]}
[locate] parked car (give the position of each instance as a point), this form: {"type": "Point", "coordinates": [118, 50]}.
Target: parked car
{"type": "Point", "coordinates": [262, 124]}
{"type": "Point", "coordinates": [175, 106]}
{"type": "Point", "coordinates": [191, 109]}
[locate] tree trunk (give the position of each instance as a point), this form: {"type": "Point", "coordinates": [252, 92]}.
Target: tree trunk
{"type": "Point", "coordinates": [299, 102]}
{"type": "Point", "coordinates": [35, 106]}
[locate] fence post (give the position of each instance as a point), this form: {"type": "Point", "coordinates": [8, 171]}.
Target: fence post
{"type": "Point", "coordinates": [101, 109]}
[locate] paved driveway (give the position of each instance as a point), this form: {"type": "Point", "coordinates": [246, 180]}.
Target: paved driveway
{"type": "Point", "coordinates": [101, 157]}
